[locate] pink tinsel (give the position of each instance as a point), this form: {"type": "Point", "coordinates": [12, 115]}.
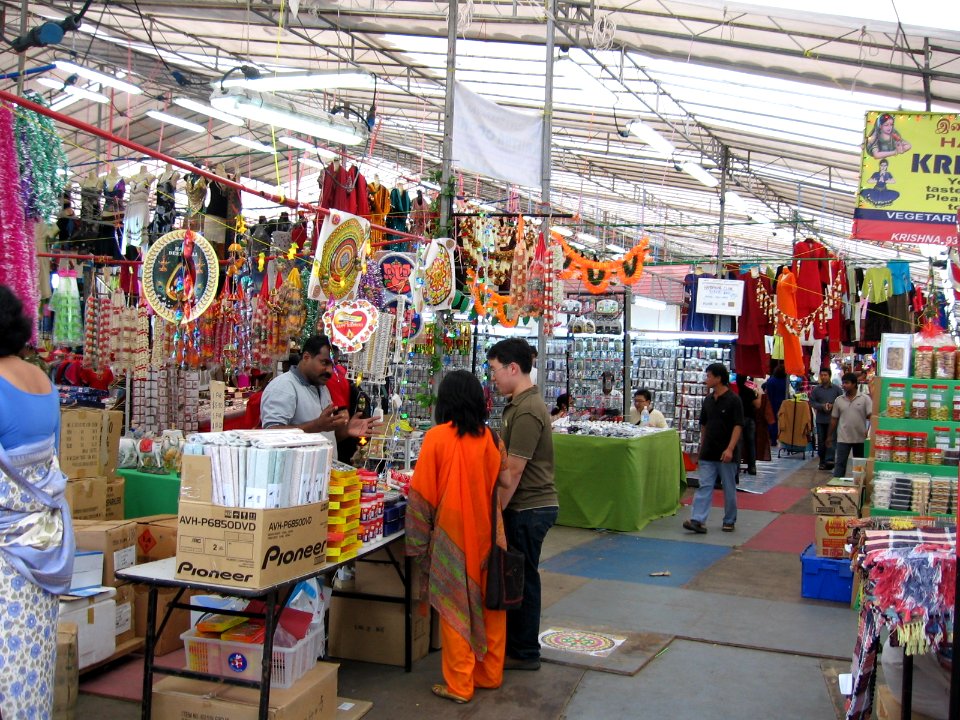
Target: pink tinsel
{"type": "Point", "coordinates": [17, 249]}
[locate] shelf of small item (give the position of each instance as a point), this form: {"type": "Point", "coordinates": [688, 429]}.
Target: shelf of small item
{"type": "Point", "coordinates": [915, 468]}
{"type": "Point", "coordinates": [914, 425]}
{"type": "Point", "coordinates": [886, 512]}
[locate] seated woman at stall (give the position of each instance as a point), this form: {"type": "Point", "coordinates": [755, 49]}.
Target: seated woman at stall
{"type": "Point", "coordinates": [643, 399]}
{"type": "Point", "coordinates": [563, 407]}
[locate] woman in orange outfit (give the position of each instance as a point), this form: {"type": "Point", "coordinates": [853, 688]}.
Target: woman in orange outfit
{"type": "Point", "coordinates": [449, 534]}
{"type": "Point", "coordinates": [787, 305]}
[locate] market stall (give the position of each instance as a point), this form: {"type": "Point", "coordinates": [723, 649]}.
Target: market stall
{"type": "Point", "coordinates": [618, 483]}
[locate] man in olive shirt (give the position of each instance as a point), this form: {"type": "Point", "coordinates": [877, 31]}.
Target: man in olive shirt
{"type": "Point", "coordinates": [527, 493]}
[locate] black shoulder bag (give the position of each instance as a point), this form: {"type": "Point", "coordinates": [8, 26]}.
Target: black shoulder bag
{"type": "Point", "coordinates": [504, 567]}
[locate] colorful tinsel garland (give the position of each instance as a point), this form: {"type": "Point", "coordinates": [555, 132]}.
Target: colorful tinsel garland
{"type": "Point", "coordinates": [488, 302]}
{"type": "Point", "coordinates": [596, 275]}
{"type": "Point", "coordinates": [833, 298]}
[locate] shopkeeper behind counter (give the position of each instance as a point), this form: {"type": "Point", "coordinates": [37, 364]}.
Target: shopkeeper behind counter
{"type": "Point", "coordinates": [300, 398]}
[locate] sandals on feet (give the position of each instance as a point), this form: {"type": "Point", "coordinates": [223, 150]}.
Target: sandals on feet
{"type": "Point", "coordinates": [441, 691]}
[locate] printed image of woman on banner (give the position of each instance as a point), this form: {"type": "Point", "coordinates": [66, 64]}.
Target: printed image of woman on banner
{"type": "Point", "coordinates": [879, 195]}
{"type": "Point", "coordinates": [885, 141]}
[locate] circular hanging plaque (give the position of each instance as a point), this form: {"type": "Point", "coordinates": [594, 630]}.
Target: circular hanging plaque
{"type": "Point", "coordinates": [180, 275]}
{"type": "Point", "coordinates": [338, 265]}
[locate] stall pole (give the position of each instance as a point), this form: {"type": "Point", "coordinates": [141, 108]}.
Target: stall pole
{"type": "Point", "coordinates": [446, 196]}
{"type": "Point", "coordinates": [724, 161]}
{"type": "Point", "coordinates": [627, 351]}
{"type": "Point", "coordinates": [22, 58]}
{"type": "Point", "coordinates": [545, 158]}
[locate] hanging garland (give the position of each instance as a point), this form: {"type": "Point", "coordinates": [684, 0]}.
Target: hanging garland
{"type": "Point", "coordinates": [598, 274]}
{"type": "Point", "coordinates": [487, 302]}
{"type": "Point", "coordinates": [482, 239]}
{"type": "Point", "coordinates": [832, 299]}
{"type": "Point", "coordinates": [43, 163]}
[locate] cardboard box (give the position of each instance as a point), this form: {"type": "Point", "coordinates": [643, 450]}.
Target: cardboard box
{"type": "Point", "coordinates": [111, 428]}
{"type": "Point", "coordinates": [888, 707]}
{"type": "Point", "coordinates": [350, 709]}
{"type": "Point", "coordinates": [178, 624]}
{"type": "Point", "coordinates": [831, 535]}
{"type": "Point", "coordinates": [87, 570]}
{"type": "Point", "coordinates": [312, 697]}
{"type": "Point", "coordinates": [66, 676]}
{"type": "Point", "coordinates": [115, 498]}
{"type": "Point", "coordinates": [87, 498]}
{"type": "Point", "coordinates": [80, 442]}
{"type": "Point", "coordinates": [125, 624]}
{"type": "Point", "coordinates": [96, 619]}
{"type": "Point", "coordinates": [373, 631]}
{"type": "Point", "coordinates": [836, 500]}
{"type": "Point", "coordinates": [244, 547]}
{"type": "Point", "coordinates": [156, 537]}
{"type": "Point", "coordinates": [375, 574]}
{"type": "Point", "coordinates": [117, 540]}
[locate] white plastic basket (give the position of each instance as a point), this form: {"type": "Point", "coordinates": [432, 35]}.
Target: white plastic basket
{"type": "Point", "coordinates": [244, 660]}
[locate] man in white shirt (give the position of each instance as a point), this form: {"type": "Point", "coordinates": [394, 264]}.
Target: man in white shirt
{"type": "Point", "coordinates": [849, 417]}
{"type": "Point", "coordinates": [643, 398]}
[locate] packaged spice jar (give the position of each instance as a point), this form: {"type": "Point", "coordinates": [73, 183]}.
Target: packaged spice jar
{"type": "Point", "coordinates": [946, 362]}
{"type": "Point", "coordinates": [901, 440]}
{"type": "Point", "coordinates": [923, 361]}
{"type": "Point", "coordinates": [935, 456]}
{"type": "Point", "coordinates": [900, 455]}
{"type": "Point", "coordinates": [896, 400]}
{"type": "Point", "coordinates": [939, 410]}
{"type": "Point", "coordinates": [918, 441]}
{"type": "Point", "coordinates": [941, 437]}
{"type": "Point", "coordinates": [884, 453]}
{"type": "Point", "coordinates": [918, 403]}
{"type": "Point", "coordinates": [918, 456]}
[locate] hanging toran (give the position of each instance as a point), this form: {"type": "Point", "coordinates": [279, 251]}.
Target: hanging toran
{"type": "Point", "coordinates": [522, 259]}
{"type": "Point", "coordinates": [489, 303]}
{"type": "Point", "coordinates": [596, 275]}
{"type": "Point", "coordinates": [833, 298]}
{"type": "Point", "coordinates": [486, 243]}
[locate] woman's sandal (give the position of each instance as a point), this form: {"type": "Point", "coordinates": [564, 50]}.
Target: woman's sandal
{"type": "Point", "coordinates": [441, 691]}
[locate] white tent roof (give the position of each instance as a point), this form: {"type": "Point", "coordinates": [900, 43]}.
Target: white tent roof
{"type": "Point", "coordinates": [783, 85]}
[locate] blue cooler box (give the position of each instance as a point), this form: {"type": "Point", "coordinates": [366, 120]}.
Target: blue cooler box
{"type": "Point", "coordinates": [825, 578]}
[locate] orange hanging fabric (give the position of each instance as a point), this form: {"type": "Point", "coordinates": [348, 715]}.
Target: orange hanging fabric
{"type": "Point", "coordinates": [787, 305]}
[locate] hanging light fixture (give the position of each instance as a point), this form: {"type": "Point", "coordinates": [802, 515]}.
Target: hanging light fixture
{"type": "Point", "coordinates": [651, 137]}
{"type": "Point", "coordinates": [697, 172]}
{"type": "Point", "coordinates": [285, 114]}
{"type": "Point", "coordinates": [95, 76]}
{"type": "Point", "coordinates": [306, 147]}
{"type": "Point", "coordinates": [333, 80]}
{"type": "Point", "coordinates": [79, 93]}
{"type": "Point", "coordinates": [174, 120]}
{"type": "Point", "coordinates": [199, 107]}
{"type": "Point", "coordinates": [253, 145]}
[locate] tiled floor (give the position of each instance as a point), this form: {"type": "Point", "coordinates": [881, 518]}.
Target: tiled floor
{"type": "Point", "coordinates": [746, 644]}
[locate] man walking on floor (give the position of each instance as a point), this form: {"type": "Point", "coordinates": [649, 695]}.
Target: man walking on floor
{"type": "Point", "coordinates": [822, 398]}
{"type": "Point", "coordinates": [849, 417]}
{"type": "Point", "coordinates": [721, 424]}
{"type": "Point", "coordinates": [527, 493]}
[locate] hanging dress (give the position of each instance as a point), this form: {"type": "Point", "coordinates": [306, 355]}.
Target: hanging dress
{"type": "Point", "coordinates": [166, 211]}
{"type": "Point", "coordinates": [215, 218]}
{"type": "Point", "coordinates": [902, 317]}
{"type": "Point", "coordinates": [136, 215]}
{"type": "Point", "coordinates": [787, 305]}
{"type": "Point", "coordinates": [750, 351]}
{"type": "Point", "coordinates": [196, 187]}
{"type": "Point", "coordinates": [379, 199]}
{"type": "Point", "coordinates": [111, 234]}
{"type": "Point", "coordinates": [694, 321]}
{"type": "Point", "coordinates": [90, 210]}
{"type": "Point", "coordinates": [397, 216]}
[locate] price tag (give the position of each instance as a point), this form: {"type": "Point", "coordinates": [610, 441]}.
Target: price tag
{"type": "Point", "coordinates": [218, 392]}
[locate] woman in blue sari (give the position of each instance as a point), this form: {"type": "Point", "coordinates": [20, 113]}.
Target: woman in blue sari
{"type": "Point", "coordinates": [36, 535]}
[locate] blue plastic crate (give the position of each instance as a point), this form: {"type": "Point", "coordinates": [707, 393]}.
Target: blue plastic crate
{"type": "Point", "coordinates": [825, 578]}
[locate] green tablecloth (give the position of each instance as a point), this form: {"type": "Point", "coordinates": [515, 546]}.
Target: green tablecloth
{"type": "Point", "coordinates": [149, 494]}
{"type": "Point", "coordinates": [618, 484]}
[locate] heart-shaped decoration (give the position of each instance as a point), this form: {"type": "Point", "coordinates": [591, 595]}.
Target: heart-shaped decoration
{"type": "Point", "coordinates": [350, 324]}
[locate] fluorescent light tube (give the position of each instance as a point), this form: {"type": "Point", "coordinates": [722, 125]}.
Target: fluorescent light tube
{"type": "Point", "coordinates": [615, 248]}
{"type": "Point", "coordinates": [99, 77]}
{"type": "Point", "coordinates": [253, 144]}
{"type": "Point", "coordinates": [313, 81]}
{"type": "Point", "coordinates": [561, 231]}
{"type": "Point", "coordinates": [174, 120]}
{"type": "Point", "coordinates": [78, 92]}
{"type": "Point", "coordinates": [651, 137]}
{"type": "Point", "coordinates": [203, 109]}
{"type": "Point", "coordinates": [697, 172]}
{"type": "Point", "coordinates": [310, 162]}
{"type": "Point", "coordinates": [650, 303]}
{"type": "Point", "coordinates": [306, 147]}
{"type": "Point", "coordinates": [736, 201]}
{"type": "Point", "coordinates": [588, 238]}
{"type": "Point", "coordinates": [63, 102]}
{"type": "Point", "coordinates": [284, 114]}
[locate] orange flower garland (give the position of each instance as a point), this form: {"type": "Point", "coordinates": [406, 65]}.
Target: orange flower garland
{"type": "Point", "coordinates": [597, 275]}
{"type": "Point", "coordinates": [487, 302]}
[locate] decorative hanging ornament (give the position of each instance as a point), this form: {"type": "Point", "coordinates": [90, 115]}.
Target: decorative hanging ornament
{"type": "Point", "coordinates": [597, 275]}
{"type": "Point", "coordinates": [180, 274]}
{"type": "Point", "coordinates": [435, 281]}
{"type": "Point", "coordinates": [397, 271]}
{"type": "Point", "coordinates": [339, 259]}
{"type": "Point", "coordinates": [350, 324]}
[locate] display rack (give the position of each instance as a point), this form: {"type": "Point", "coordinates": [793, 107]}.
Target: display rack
{"type": "Point", "coordinates": [690, 390]}
{"type": "Point", "coordinates": [590, 357]}
{"type": "Point", "coordinates": [653, 365]}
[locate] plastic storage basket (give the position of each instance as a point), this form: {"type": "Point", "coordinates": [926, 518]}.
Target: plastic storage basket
{"type": "Point", "coordinates": [243, 660]}
{"type": "Point", "coordinates": [825, 578]}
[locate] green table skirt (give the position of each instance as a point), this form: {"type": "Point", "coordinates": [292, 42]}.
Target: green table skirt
{"type": "Point", "coordinates": [149, 493]}
{"type": "Point", "coordinates": [618, 484]}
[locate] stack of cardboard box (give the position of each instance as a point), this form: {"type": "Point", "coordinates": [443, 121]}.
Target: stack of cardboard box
{"type": "Point", "coordinates": [343, 539]}
{"type": "Point", "coordinates": [834, 507]}
{"type": "Point", "coordinates": [89, 443]}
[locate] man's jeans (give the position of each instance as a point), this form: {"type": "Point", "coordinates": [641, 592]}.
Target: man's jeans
{"type": "Point", "coordinates": [826, 453]}
{"type": "Point", "coordinates": [708, 471]}
{"type": "Point", "coordinates": [843, 453]}
{"type": "Point", "coordinates": [525, 531]}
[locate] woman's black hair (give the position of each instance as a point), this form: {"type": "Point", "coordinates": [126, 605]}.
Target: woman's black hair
{"type": "Point", "coordinates": [460, 401]}
{"type": "Point", "coordinates": [563, 401]}
{"type": "Point", "coordinates": [15, 327]}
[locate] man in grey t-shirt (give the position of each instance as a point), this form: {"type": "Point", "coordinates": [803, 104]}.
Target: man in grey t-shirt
{"type": "Point", "coordinates": [300, 398]}
{"type": "Point", "coordinates": [849, 418]}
